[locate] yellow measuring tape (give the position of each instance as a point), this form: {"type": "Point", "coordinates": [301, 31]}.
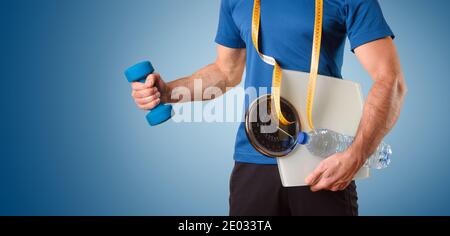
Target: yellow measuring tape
{"type": "Point", "coordinates": [277, 74]}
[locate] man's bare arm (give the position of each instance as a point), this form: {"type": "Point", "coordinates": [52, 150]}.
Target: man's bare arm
{"type": "Point", "coordinates": [384, 102]}
{"type": "Point", "coordinates": [226, 72]}
{"type": "Point", "coordinates": [381, 112]}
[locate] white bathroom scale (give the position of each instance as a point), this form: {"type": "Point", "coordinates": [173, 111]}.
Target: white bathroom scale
{"type": "Point", "coordinates": [338, 106]}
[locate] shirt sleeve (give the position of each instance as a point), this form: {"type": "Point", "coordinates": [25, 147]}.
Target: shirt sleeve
{"type": "Point", "coordinates": [228, 34]}
{"type": "Point", "coordinates": [365, 22]}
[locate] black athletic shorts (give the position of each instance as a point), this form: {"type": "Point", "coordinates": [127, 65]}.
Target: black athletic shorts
{"type": "Point", "coordinates": [256, 190]}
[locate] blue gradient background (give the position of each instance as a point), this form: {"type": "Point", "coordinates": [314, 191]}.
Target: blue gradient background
{"type": "Point", "coordinates": [73, 143]}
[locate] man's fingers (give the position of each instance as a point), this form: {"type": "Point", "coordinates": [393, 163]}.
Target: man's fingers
{"type": "Point", "coordinates": [145, 93]}
{"type": "Point", "coordinates": [151, 105]}
{"type": "Point", "coordinates": [147, 100]}
{"type": "Point", "coordinates": [336, 188]}
{"type": "Point", "coordinates": [323, 184]}
{"type": "Point", "coordinates": [151, 80]}
{"type": "Point", "coordinates": [344, 186]}
{"type": "Point", "coordinates": [314, 177]}
{"type": "Point", "coordinates": [326, 181]}
{"type": "Point", "coordinates": [339, 187]}
{"type": "Point", "coordinates": [137, 86]}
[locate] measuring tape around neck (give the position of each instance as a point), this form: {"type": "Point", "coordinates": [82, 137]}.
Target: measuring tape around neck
{"type": "Point", "coordinates": [277, 73]}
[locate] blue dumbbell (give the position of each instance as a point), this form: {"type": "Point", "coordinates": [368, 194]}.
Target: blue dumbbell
{"type": "Point", "coordinates": [139, 73]}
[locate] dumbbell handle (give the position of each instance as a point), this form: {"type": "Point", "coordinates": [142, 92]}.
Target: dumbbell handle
{"type": "Point", "coordinates": [139, 73]}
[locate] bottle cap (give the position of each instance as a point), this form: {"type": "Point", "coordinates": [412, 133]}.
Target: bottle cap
{"type": "Point", "coordinates": [303, 138]}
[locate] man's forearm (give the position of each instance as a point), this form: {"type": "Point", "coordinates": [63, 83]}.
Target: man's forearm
{"type": "Point", "coordinates": [210, 76]}
{"type": "Point", "coordinates": [381, 112]}
{"type": "Point", "coordinates": [226, 72]}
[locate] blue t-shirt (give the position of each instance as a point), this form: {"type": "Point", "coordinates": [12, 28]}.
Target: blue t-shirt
{"type": "Point", "coordinates": [286, 34]}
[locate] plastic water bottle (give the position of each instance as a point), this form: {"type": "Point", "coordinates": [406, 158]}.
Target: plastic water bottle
{"type": "Point", "coordinates": [324, 143]}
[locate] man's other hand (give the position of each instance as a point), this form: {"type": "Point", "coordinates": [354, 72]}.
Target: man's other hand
{"type": "Point", "coordinates": [148, 95]}
{"type": "Point", "coordinates": [336, 172]}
